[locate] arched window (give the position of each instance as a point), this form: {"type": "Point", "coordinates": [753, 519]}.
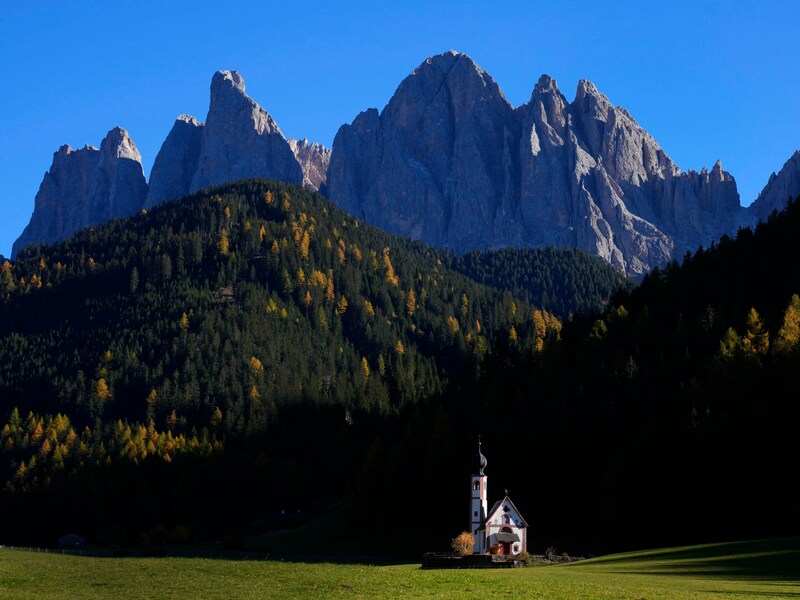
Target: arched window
{"type": "Point", "coordinates": [506, 519]}
{"type": "Point", "coordinates": [476, 485]}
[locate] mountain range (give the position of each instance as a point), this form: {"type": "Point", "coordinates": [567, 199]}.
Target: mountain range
{"type": "Point", "coordinates": [448, 161]}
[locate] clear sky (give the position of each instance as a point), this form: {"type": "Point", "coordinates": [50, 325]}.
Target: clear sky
{"type": "Point", "coordinates": [708, 79]}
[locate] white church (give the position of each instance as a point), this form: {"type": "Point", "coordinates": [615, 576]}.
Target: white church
{"type": "Point", "coordinates": [501, 530]}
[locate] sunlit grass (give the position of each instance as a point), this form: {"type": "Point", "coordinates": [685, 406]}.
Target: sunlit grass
{"type": "Point", "coordinates": [760, 569]}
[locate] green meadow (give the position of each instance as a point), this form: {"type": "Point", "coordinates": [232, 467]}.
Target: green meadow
{"type": "Point", "coordinates": [760, 569]}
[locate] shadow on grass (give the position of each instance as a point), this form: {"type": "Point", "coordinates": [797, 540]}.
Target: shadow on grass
{"type": "Point", "coordinates": [758, 560]}
{"type": "Point", "coordinates": [326, 539]}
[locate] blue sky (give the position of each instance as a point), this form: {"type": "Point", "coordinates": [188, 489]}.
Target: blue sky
{"type": "Point", "coordinates": [710, 80]}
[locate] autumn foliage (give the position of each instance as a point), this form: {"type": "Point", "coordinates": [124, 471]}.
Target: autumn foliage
{"type": "Point", "coordinates": [462, 544]}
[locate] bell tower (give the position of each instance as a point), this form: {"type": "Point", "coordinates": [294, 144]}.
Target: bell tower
{"type": "Point", "coordinates": [478, 505]}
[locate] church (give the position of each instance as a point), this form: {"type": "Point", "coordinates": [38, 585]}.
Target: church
{"type": "Point", "coordinates": [500, 530]}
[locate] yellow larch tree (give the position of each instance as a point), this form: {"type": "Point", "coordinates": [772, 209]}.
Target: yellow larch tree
{"type": "Point", "coordinates": [391, 277]}
{"type": "Point", "coordinates": [223, 244]}
{"type": "Point", "coordinates": [305, 240]}
{"type": "Point", "coordinates": [789, 333]}
{"type": "Point", "coordinates": [365, 366]}
{"type": "Point", "coordinates": [341, 306]}
{"type": "Point", "coordinates": [756, 340]}
{"type": "Point", "coordinates": [411, 303]}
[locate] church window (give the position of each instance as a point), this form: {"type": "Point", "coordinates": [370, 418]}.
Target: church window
{"type": "Point", "coordinates": [476, 485]}
{"type": "Point", "coordinates": [506, 519]}
{"type": "Point", "coordinates": [475, 513]}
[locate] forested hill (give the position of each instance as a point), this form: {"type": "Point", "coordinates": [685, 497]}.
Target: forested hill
{"type": "Point", "coordinates": [252, 291]}
{"type": "Point", "coordinates": [221, 316]}
{"type": "Point", "coordinates": [673, 416]}
{"type": "Point", "coordinates": [253, 348]}
{"type": "Point", "coordinates": [561, 280]}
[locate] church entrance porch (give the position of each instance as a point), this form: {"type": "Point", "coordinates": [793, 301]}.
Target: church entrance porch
{"type": "Point", "coordinates": [505, 540]}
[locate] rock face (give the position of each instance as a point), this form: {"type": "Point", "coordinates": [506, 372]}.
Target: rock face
{"type": "Point", "coordinates": [779, 188]}
{"type": "Point", "coordinates": [314, 159]}
{"type": "Point", "coordinates": [240, 139]}
{"type": "Point", "coordinates": [440, 162]}
{"type": "Point", "coordinates": [451, 162]}
{"type": "Point", "coordinates": [176, 162]}
{"type": "Point", "coordinates": [86, 187]}
{"type": "Point", "coordinates": [448, 161]}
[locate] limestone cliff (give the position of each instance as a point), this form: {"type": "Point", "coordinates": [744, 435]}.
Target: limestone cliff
{"type": "Point", "coordinates": [86, 187]}
{"type": "Point", "coordinates": [176, 162]}
{"type": "Point", "coordinates": [451, 162]}
{"type": "Point", "coordinates": [780, 187]}
{"type": "Point", "coordinates": [314, 159]}
{"type": "Point", "coordinates": [240, 139]}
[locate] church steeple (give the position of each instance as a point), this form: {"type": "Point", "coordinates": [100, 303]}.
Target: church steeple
{"type": "Point", "coordinates": [478, 505]}
{"type": "Point", "coordinates": [480, 459]}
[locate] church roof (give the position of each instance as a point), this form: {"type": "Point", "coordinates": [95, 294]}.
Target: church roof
{"type": "Point", "coordinates": [496, 506]}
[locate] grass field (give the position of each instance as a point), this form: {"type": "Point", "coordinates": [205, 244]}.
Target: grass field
{"type": "Point", "coordinates": [761, 569]}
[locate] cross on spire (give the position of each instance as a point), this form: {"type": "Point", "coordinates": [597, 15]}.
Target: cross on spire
{"type": "Point", "coordinates": [506, 491]}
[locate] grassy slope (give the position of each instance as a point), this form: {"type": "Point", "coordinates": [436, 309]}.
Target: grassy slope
{"type": "Point", "coordinates": [760, 569]}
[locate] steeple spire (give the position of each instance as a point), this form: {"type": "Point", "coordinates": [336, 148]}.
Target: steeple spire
{"type": "Point", "coordinates": [480, 459]}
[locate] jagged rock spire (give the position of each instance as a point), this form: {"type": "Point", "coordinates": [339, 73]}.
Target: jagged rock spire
{"type": "Point", "coordinates": [86, 187]}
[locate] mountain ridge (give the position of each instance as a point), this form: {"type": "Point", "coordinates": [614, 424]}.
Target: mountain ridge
{"type": "Point", "coordinates": [451, 162]}
{"type": "Point", "coordinates": [549, 172]}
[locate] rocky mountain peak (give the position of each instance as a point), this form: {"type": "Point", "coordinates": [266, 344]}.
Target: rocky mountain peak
{"type": "Point", "coordinates": [240, 139]}
{"type": "Point", "coordinates": [590, 99]}
{"type": "Point", "coordinates": [781, 186]}
{"type": "Point", "coordinates": [314, 159]}
{"type": "Point", "coordinates": [545, 85]}
{"type": "Point", "coordinates": [450, 162]}
{"type": "Point", "coordinates": [118, 144]}
{"type": "Point", "coordinates": [443, 62]}
{"type": "Point", "coordinates": [176, 162]}
{"type": "Point", "coordinates": [229, 100]}
{"type": "Point", "coordinates": [86, 187]}
{"type": "Point", "coordinates": [719, 174]}
{"type": "Point", "coordinates": [227, 80]}
{"type": "Point", "coordinates": [452, 78]}
{"type": "Point", "coordinates": [189, 120]}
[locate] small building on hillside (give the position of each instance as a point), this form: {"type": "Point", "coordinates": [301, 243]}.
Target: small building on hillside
{"type": "Point", "coordinates": [499, 530]}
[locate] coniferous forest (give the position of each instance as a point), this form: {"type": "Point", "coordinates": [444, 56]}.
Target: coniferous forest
{"type": "Point", "coordinates": [188, 373]}
{"type": "Point", "coordinates": [564, 281]}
